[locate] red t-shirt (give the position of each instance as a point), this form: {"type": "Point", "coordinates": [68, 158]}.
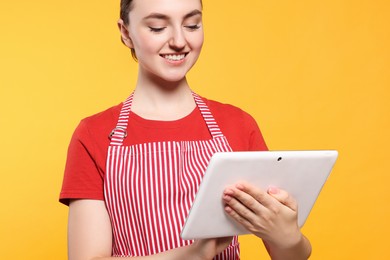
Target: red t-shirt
{"type": "Point", "coordinates": [87, 152]}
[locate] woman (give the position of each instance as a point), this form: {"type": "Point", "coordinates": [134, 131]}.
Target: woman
{"type": "Point", "coordinates": [132, 199]}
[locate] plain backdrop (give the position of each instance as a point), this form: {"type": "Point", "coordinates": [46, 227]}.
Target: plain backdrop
{"type": "Point", "coordinates": [314, 74]}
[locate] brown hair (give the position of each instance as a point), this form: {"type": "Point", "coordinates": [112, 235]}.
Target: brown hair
{"type": "Point", "coordinates": [125, 8]}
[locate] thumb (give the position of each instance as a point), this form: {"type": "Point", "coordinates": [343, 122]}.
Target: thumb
{"type": "Point", "coordinates": [283, 197]}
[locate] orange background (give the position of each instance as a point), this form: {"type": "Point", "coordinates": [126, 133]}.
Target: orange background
{"type": "Point", "coordinates": [314, 74]}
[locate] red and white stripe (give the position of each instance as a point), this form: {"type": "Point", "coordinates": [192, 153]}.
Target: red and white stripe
{"type": "Point", "coordinates": [149, 188]}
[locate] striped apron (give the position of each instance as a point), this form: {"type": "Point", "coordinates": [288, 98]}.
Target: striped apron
{"type": "Point", "coordinates": [149, 187]}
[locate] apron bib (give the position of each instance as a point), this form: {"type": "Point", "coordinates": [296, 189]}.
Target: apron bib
{"type": "Point", "coordinates": [149, 187]}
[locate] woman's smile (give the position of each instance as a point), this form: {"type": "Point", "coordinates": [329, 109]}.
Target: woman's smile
{"type": "Point", "coordinates": [174, 58]}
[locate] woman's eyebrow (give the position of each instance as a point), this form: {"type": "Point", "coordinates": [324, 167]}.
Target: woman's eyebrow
{"type": "Point", "coordinates": [156, 16]}
{"type": "Point", "coordinates": [165, 17]}
{"type": "Point", "coordinates": [193, 13]}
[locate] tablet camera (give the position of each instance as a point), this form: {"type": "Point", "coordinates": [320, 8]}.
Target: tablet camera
{"type": "Point", "coordinates": [279, 159]}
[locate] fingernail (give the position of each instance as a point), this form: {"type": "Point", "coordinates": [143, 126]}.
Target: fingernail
{"type": "Point", "coordinates": [239, 186]}
{"type": "Point", "coordinates": [228, 209]}
{"type": "Point", "coordinates": [227, 198]}
{"type": "Point", "coordinates": [228, 192]}
{"type": "Point", "coordinates": [273, 190]}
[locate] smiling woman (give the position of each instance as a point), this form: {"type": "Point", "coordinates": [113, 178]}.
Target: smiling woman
{"type": "Point", "coordinates": [133, 170]}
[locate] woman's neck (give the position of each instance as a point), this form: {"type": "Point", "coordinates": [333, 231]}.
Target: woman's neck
{"type": "Point", "coordinates": [155, 99]}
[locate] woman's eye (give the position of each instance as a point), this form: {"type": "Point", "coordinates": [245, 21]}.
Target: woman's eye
{"type": "Point", "coordinates": [193, 27]}
{"type": "Point", "coordinates": [156, 29]}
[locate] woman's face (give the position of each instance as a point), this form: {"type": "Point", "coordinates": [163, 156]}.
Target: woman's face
{"type": "Point", "coordinates": [167, 36]}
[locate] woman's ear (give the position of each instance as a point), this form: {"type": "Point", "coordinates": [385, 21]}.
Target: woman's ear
{"type": "Point", "coordinates": [125, 36]}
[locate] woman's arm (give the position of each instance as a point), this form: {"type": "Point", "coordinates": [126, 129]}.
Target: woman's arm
{"type": "Point", "coordinates": [300, 250]}
{"type": "Point", "coordinates": [90, 237]}
{"type": "Point", "coordinates": [272, 216]}
{"type": "Point", "coordinates": [89, 230]}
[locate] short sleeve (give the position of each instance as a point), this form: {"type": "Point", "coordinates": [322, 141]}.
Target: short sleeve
{"type": "Point", "coordinates": [239, 127]}
{"type": "Point", "coordinates": [256, 140]}
{"type": "Point", "coordinates": [83, 177]}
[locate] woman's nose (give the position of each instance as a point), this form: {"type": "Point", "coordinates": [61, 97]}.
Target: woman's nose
{"type": "Point", "coordinates": [178, 40]}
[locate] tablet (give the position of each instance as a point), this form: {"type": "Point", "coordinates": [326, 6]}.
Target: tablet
{"type": "Point", "coordinates": [301, 173]}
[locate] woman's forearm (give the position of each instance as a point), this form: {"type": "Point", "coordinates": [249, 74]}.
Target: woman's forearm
{"type": "Point", "coordinates": [204, 249]}
{"type": "Point", "coordinates": [185, 252]}
{"type": "Point", "coordinates": [299, 251]}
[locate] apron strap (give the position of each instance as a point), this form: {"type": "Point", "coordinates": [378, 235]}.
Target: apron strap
{"type": "Point", "coordinates": [119, 133]}
{"type": "Point", "coordinates": [207, 116]}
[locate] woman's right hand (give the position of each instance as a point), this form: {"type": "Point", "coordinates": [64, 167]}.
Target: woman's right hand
{"type": "Point", "coordinates": [206, 249]}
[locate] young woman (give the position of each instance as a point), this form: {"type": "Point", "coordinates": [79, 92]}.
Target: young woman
{"type": "Point", "coordinates": [133, 170]}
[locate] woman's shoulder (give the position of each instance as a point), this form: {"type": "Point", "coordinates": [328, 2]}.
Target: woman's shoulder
{"type": "Point", "coordinates": [100, 123]}
{"type": "Point", "coordinates": [238, 126]}
{"type": "Point", "coordinates": [227, 111]}
{"type": "Point", "coordinates": [109, 114]}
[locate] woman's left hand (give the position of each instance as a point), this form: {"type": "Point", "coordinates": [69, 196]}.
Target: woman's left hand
{"type": "Point", "coordinates": [271, 215]}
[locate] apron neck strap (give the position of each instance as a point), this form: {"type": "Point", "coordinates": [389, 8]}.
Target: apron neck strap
{"type": "Point", "coordinates": [207, 116]}
{"type": "Point", "coordinates": [119, 133]}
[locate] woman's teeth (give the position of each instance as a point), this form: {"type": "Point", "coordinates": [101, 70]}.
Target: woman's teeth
{"type": "Point", "coordinates": [174, 57]}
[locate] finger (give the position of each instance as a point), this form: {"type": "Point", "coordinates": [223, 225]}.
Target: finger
{"type": "Point", "coordinates": [242, 201]}
{"type": "Point", "coordinates": [239, 217]}
{"type": "Point", "coordinates": [236, 207]}
{"type": "Point", "coordinates": [258, 194]}
{"type": "Point", "coordinates": [283, 197]}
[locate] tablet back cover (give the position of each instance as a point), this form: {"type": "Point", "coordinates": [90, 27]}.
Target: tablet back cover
{"type": "Point", "coordinates": [301, 173]}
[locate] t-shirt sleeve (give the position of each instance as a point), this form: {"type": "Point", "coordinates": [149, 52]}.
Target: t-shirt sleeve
{"type": "Point", "coordinates": [256, 140]}
{"type": "Point", "coordinates": [83, 177]}
{"type": "Point", "coordinates": [253, 137]}
{"type": "Point", "coordinates": [239, 127]}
